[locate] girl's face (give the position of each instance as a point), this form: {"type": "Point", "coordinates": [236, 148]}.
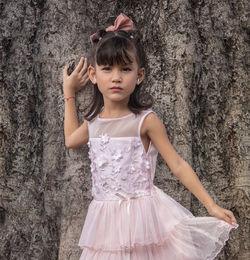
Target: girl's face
{"type": "Point", "coordinates": [117, 82]}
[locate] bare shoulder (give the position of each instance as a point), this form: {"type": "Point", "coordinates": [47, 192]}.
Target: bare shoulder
{"type": "Point", "coordinates": [151, 123]}
{"type": "Point", "coordinates": [154, 129]}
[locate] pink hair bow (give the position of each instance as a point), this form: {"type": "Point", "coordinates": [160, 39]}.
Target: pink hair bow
{"type": "Point", "coordinates": [122, 22]}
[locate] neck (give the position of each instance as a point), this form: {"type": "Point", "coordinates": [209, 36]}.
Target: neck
{"type": "Point", "coordinates": [115, 109]}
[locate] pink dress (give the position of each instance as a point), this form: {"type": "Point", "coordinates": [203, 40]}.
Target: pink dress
{"type": "Point", "coordinates": [131, 218]}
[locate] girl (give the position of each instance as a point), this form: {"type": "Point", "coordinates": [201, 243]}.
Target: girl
{"type": "Point", "coordinates": [129, 217]}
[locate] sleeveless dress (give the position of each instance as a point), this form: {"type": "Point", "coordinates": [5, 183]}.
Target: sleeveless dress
{"type": "Point", "coordinates": [131, 218]}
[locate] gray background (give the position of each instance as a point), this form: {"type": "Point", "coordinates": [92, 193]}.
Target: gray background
{"type": "Point", "coordinates": [198, 55]}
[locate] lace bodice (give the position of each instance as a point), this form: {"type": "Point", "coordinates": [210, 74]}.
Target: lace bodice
{"type": "Point", "coordinates": [119, 162]}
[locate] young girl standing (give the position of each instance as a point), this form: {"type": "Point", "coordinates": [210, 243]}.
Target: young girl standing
{"type": "Point", "coordinates": [130, 217]}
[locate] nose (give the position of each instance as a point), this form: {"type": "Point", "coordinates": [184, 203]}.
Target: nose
{"type": "Point", "coordinates": [116, 75]}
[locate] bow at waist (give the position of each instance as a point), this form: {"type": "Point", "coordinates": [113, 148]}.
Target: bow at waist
{"type": "Point", "coordinates": [126, 197]}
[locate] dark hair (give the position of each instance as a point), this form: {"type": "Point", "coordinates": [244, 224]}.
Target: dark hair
{"type": "Point", "coordinates": [114, 47]}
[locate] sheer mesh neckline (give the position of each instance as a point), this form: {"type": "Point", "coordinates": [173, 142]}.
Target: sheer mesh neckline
{"type": "Point", "coordinates": [115, 118]}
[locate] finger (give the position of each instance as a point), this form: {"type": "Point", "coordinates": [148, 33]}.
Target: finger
{"type": "Point", "coordinates": [227, 219]}
{"type": "Point", "coordinates": [85, 81]}
{"type": "Point", "coordinates": [231, 215]}
{"type": "Point", "coordinates": [85, 76]}
{"type": "Point", "coordinates": [79, 65]}
{"type": "Point", "coordinates": [65, 71]}
{"type": "Point", "coordinates": [84, 68]}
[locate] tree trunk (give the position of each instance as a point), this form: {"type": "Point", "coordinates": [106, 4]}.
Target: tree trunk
{"type": "Point", "coordinates": [198, 57]}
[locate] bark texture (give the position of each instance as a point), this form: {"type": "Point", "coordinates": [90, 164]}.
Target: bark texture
{"type": "Point", "coordinates": [198, 53]}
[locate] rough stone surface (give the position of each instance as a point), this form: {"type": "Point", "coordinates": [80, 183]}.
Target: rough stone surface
{"type": "Point", "coordinates": [198, 54]}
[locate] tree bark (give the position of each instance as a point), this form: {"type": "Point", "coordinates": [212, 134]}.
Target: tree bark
{"type": "Point", "coordinates": [198, 53]}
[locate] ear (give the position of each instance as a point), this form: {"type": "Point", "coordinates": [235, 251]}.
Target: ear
{"type": "Point", "coordinates": [141, 75]}
{"type": "Point", "coordinates": [91, 73]}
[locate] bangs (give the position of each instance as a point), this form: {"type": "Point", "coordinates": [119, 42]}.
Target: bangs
{"type": "Point", "coordinates": [115, 50]}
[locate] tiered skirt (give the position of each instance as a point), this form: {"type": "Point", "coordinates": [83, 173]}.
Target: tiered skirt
{"type": "Point", "coordinates": [153, 227]}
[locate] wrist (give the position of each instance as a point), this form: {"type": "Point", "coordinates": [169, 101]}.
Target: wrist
{"type": "Point", "coordinates": [68, 89]}
{"type": "Point", "coordinates": [69, 97]}
{"type": "Point", "coordinates": [69, 93]}
{"type": "Point", "coordinates": [210, 206]}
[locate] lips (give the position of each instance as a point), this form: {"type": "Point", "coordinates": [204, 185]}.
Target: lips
{"type": "Point", "coordinates": [116, 89]}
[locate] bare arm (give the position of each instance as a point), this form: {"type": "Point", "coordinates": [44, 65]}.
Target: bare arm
{"type": "Point", "coordinates": [75, 136]}
{"type": "Point", "coordinates": [153, 127]}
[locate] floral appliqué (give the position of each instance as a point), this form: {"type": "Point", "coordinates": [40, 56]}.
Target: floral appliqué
{"type": "Point", "coordinates": [131, 169]}
{"type": "Point", "coordinates": [119, 166]}
{"type": "Point", "coordinates": [135, 143]}
{"type": "Point", "coordinates": [117, 155]}
{"type": "Point", "coordinates": [117, 169]}
{"type": "Point", "coordinates": [101, 161]}
{"type": "Point", "coordinates": [145, 163]}
{"type": "Point", "coordinates": [104, 139]}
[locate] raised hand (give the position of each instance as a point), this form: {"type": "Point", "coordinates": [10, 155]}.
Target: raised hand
{"type": "Point", "coordinates": [224, 214]}
{"type": "Point", "coordinates": [78, 78]}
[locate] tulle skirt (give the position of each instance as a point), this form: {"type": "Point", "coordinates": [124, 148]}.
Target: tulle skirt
{"type": "Point", "coordinates": [154, 227]}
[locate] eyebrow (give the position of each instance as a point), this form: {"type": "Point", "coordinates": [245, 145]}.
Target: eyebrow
{"type": "Point", "coordinates": [131, 63]}
{"type": "Point", "coordinates": [125, 64]}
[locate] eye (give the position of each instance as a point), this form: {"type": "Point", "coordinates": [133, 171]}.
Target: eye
{"type": "Point", "coordinates": [106, 68]}
{"type": "Point", "coordinates": [126, 69]}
